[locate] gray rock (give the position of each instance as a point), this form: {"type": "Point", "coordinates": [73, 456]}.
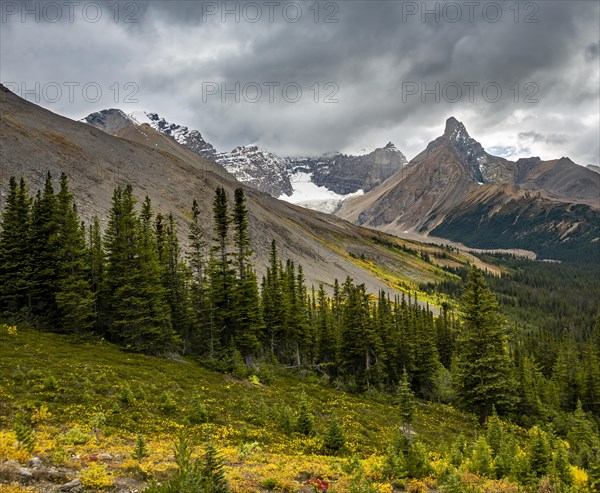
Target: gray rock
{"type": "Point", "coordinates": [34, 462]}
{"type": "Point", "coordinates": [12, 464]}
{"type": "Point", "coordinates": [72, 486]}
{"type": "Point", "coordinates": [26, 473]}
{"type": "Point", "coordinates": [105, 457]}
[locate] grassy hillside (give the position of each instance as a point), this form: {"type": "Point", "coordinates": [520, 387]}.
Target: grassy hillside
{"type": "Point", "coordinates": [90, 398]}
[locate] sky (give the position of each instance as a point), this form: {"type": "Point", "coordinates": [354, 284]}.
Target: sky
{"type": "Point", "coordinates": [308, 77]}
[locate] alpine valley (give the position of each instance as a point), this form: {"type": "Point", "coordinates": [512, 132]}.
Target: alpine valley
{"type": "Point", "coordinates": [179, 319]}
{"type": "Point", "coordinates": [453, 190]}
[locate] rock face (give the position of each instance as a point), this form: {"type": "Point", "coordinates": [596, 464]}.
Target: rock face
{"type": "Point", "coordinates": [34, 141]}
{"type": "Point", "coordinates": [455, 190]}
{"type": "Point", "coordinates": [72, 486]}
{"type": "Point", "coordinates": [191, 139]}
{"type": "Point", "coordinates": [594, 168]}
{"type": "Point", "coordinates": [260, 168]}
{"type": "Point", "coordinates": [109, 121]}
{"type": "Point", "coordinates": [346, 174]}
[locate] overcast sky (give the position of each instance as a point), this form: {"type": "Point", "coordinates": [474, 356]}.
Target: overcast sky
{"type": "Point", "coordinates": [363, 69]}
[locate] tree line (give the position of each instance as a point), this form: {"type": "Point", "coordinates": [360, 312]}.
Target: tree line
{"type": "Point", "coordinates": [133, 283]}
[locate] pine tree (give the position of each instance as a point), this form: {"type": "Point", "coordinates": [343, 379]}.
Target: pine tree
{"type": "Point", "coordinates": [139, 313]}
{"type": "Point", "coordinates": [481, 460]}
{"type": "Point", "coordinates": [445, 337]}
{"type": "Point", "coordinates": [96, 271]}
{"type": "Point", "coordinates": [539, 453]}
{"type": "Point", "coordinates": [199, 338]}
{"type": "Point", "coordinates": [24, 433]}
{"type": "Point", "coordinates": [245, 299]}
{"type": "Point", "coordinates": [141, 450]}
{"type": "Point", "coordinates": [406, 402]}
{"type": "Point", "coordinates": [426, 361]}
{"type": "Point", "coordinates": [305, 422]}
{"type": "Point", "coordinates": [15, 265]}
{"type": "Point", "coordinates": [213, 471]}
{"type": "Point", "coordinates": [271, 303]}
{"type": "Point", "coordinates": [175, 281]}
{"type": "Point", "coordinates": [221, 277]}
{"type": "Point", "coordinates": [74, 298]}
{"type": "Point", "coordinates": [326, 339]}
{"type": "Point", "coordinates": [483, 367]}
{"type": "Point", "coordinates": [561, 467]}
{"type": "Point", "coordinates": [44, 269]}
{"type": "Point", "coordinates": [240, 232]}
{"type": "Point", "coordinates": [495, 434]}
{"type": "Point", "coordinates": [335, 438]}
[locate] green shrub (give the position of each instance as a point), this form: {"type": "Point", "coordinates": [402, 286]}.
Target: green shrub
{"type": "Point", "coordinates": [335, 438]}
{"type": "Point", "coordinates": [285, 418]}
{"type": "Point", "coordinates": [168, 404]}
{"type": "Point", "coordinates": [197, 413]}
{"type": "Point", "coordinates": [194, 476]}
{"type": "Point", "coordinates": [126, 395]}
{"type": "Point", "coordinates": [140, 451]}
{"type": "Point", "coordinates": [76, 436]}
{"type": "Point", "coordinates": [25, 433]}
{"type": "Point", "coordinates": [270, 484]}
{"type": "Point", "coordinates": [305, 421]}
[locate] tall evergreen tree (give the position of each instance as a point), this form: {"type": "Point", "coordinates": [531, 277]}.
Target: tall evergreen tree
{"type": "Point", "coordinates": [138, 308]}
{"type": "Point", "coordinates": [406, 402]}
{"type": "Point", "coordinates": [96, 270]}
{"type": "Point", "coordinates": [199, 299]}
{"type": "Point", "coordinates": [272, 298]}
{"type": "Point", "coordinates": [74, 298]}
{"type": "Point", "coordinates": [44, 276]}
{"type": "Point", "coordinates": [483, 367]}
{"type": "Point", "coordinates": [221, 276]}
{"type": "Point", "coordinates": [245, 309]}
{"type": "Point", "coordinates": [15, 261]}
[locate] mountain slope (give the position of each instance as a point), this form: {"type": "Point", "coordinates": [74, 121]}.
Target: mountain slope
{"type": "Point", "coordinates": [34, 141]}
{"type": "Point", "coordinates": [262, 169]}
{"type": "Point", "coordinates": [455, 190]}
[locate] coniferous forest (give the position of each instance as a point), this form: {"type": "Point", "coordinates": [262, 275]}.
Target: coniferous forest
{"type": "Point", "coordinates": [132, 283]}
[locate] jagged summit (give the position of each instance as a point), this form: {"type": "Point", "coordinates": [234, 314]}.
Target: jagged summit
{"type": "Point", "coordinates": [191, 139]}
{"type": "Point", "coordinates": [454, 129]}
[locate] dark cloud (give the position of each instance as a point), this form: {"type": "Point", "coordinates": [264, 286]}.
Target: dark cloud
{"type": "Point", "coordinates": [396, 69]}
{"type": "Point", "coordinates": [538, 137]}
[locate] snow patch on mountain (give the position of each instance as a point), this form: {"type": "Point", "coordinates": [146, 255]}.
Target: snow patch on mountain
{"type": "Point", "coordinates": [308, 194]}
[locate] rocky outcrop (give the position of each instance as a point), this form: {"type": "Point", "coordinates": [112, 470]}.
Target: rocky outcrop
{"type": "Point", "coordinates": [345, 174]}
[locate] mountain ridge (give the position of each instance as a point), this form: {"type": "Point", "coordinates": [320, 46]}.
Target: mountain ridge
{"type": "Point", "coordinates": [454, 172]}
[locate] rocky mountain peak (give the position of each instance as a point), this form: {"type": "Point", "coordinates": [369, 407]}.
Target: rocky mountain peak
{"type": "Point", "coordinates": [109, 120]}
{"type": "Point", "coordinates": [454, 129]}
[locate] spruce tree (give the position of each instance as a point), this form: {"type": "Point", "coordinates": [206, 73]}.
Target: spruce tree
{"type": "Point", "coordinates": [326, 340]}
{"type": "Point", "coordinates": [483, 367]}
{"type": "Point", "coordinates": [199, 299]}
{"type": "Point", "coordinates": [306, 419]}
{"type": "Point", "coordinates": [175, 275]}
{"type": "Point", "coordinates": [15, 265]}
{"type": "Point", "coordinates": [74, 298]}
{"type": "Point", "coordinates": [406, 402]}
{"type": "Point", "coordinates": [44, 278]}
{"type": "Point", "coordinates": [271, 303]}
{"type": "Point", "coordinates": [221, 276]}
{"type": "Point", "coordinates": [138, 308]}
{"type": "Point", "coordinates": [96, 271]}
{"type": "Point", "coordinates": [245, 302]}
{"type": "Point", "coordinates": [335, 437]}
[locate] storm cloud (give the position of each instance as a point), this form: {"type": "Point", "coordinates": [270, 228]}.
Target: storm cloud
{"type": "Point", "coordinates": [304, 78]}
